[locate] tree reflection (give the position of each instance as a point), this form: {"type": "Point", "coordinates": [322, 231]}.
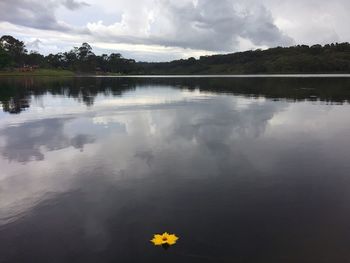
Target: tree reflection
{"type": "Point", "coordinates": [15, 93]}
{"type": "Point", "coordinates": [15, 105]}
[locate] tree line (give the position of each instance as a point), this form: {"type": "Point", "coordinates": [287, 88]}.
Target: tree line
{"type": "Point", "coordinates": [330, 58]}
{"type": "Point", "coordinates": [13, 54]}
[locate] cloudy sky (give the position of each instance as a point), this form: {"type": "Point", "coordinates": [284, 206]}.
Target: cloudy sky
{"type": "Point", "coordinates": [161, 30]}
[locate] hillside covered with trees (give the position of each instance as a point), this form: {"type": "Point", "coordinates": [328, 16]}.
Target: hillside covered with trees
{"type": "Point", "coordinates": [330, 58]}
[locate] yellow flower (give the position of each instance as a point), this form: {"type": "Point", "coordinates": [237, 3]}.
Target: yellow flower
{"type": "Point", "coordinates": [164, 239]}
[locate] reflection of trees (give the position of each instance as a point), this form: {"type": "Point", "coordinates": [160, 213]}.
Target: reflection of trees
{"type": "Point", "coordinates": [15, 105]}
{"type": "Point", "coordinates": [296, 89]}
{"type": "Point", "coordinates": [15, 93]}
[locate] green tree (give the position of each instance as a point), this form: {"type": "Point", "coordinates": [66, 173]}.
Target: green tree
{"type": "Point", "coordinates": [5, 59]}
{"type": "Point", "coordinates": [14, 47]}
{"type": "Point", "coordinates": [84, 52]}
{"type": "Point", "coordinates": [34, 58]}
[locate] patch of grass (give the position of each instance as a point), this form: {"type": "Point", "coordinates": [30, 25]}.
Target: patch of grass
{"type": "Point", "coordinates": [40, 72]}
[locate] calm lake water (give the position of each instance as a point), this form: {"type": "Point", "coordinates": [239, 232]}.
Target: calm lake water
{"type": "Point", "coordinates": [241, 169]}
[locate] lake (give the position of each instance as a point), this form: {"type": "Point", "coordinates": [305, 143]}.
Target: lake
{"type": "Point", "coordinates": [240, 169]}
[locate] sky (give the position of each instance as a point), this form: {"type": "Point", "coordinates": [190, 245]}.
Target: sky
{"type": "Point", "coordinates": [163, 30]}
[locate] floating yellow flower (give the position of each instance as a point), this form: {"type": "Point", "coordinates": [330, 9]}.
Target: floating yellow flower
{"type": "Point", "coordinates": [164, 239]}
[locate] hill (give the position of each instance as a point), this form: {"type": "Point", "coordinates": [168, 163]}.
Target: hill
{"type": "Point", "coordinates": [332, 58]}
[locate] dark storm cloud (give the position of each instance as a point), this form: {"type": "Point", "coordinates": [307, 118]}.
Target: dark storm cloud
{"type": "Point", "coordinates": [260, 29]}
{"type": "Point", "coordinates": [212, 26]}
{"type": "Point", "coordinates": [36, 14]}
{"type": "Point", "coordinates": [205, 25]}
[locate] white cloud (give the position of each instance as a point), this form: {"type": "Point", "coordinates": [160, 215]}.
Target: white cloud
{"type": "Point", "coordinates": [312, 22]}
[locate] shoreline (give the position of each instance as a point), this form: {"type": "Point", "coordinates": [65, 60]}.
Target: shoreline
{"type": "Point", "coordinates": [68, 73]}
{"type": "Point", "coordinates": [226, 76]}
{"type": "Point", "coordinates": [38, 73]}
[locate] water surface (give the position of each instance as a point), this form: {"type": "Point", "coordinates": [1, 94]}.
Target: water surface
{"type": "Point", "coordinates": [241, 169]}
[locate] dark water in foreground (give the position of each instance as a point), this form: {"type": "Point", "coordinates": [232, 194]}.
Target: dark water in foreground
{"type": "Point", "coordinates": [242, 170]}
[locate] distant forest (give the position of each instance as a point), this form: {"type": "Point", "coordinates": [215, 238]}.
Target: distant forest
{"type": "Point", "coordinates": [330, 58]}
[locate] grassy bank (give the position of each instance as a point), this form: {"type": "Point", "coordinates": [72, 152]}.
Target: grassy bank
{"type": "Point", "coordinates": [40, 72]}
